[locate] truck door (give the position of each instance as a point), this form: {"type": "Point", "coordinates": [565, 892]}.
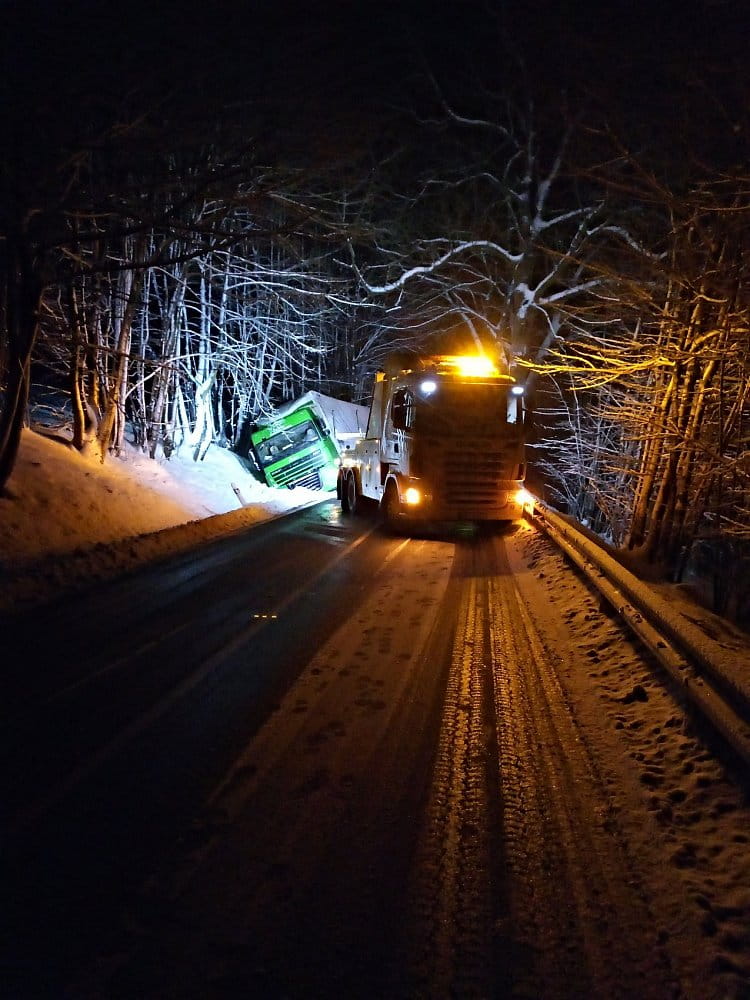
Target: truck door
{"type": "Point", "coordinates": [399, 423]}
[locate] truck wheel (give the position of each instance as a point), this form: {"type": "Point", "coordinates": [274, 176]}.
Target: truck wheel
{"type": "Point", "coordinates": [390, 507]}
{"type": "Point", "coordinates": [352, 495]}
{"type": "Point", "coordinates": [345, 506]}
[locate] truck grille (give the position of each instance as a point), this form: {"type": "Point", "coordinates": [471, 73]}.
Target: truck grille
{"type": "Point", "coordinates": [477, 481]}
{"type": "Point", "coordinates": [303, 471]}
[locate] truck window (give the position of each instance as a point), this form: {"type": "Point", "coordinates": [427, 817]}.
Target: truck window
{"type": "Point", "coordinates": [402, 409]}
{"type": "Point", "coordinates": [515, 409]}
{"type": "Point", "coordinates": [459, 406]}
{"type": "Point", "coordinates": [286, 442]}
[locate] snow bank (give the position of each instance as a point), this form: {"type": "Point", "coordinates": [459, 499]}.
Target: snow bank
{"type": "Point", "coordinates": [721, 652]}
{"type": "Point", "coordinates": [66, 518]}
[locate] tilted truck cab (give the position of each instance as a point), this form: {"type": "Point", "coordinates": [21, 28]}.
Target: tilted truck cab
{"type": "Point", "coordinates": [301, 445]}
{"type": "Point", "coordinates": [444, 441]}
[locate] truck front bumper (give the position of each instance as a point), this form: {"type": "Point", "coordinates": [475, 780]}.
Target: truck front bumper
{"type": "Point", "coordinates": [506, 505]}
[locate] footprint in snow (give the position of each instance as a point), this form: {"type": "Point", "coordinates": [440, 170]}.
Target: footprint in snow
{"type": "Point", "coordinates": [638, 693]}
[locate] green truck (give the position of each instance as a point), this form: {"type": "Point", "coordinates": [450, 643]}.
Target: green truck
{"type": "Point", "coordinates": [302, 444]}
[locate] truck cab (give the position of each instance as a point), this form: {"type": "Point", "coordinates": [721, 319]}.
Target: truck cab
{"type": "Point", "coordinates": [444, 441]}
{"type": "Point", "coordinates": [296, 450]}
{"type": "Point", "coordinates": [300, 446]}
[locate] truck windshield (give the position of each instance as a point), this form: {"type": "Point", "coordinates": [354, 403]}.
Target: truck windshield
{"type": "Point", "coordinates": [459, 406]}
{"type": "Point", "coordinates": [286, 442]}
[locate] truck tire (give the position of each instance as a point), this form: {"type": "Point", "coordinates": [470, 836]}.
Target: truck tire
{"type": "Point", "coordinates": [390, 506]}
{"type": "Point", "coordinates": [345, 494]}
{"type": "Point", "coordinates": [353, 498]}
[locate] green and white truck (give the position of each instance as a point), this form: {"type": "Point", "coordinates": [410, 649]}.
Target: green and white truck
{"type": "Point", "coordinates": [301, 445]}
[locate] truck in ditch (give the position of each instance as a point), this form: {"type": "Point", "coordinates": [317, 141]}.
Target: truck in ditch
{"type": "Point", "coordinates": [301, 445]}
{"type": "Point", "coordinates": [444, 442]}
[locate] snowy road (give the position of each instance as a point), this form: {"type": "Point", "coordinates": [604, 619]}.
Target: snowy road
{"type": "Point", "coordinates": [434, 768]}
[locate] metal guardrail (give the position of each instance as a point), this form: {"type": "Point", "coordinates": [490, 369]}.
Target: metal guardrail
{"type": "Point", "coordinates": [681, 648]}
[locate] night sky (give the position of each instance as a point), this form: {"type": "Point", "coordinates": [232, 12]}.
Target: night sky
{"type": "Point", "coordinates": [320, 75]}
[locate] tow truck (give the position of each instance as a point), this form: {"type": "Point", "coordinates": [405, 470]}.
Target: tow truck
{"type": "Point", "coordinates": [444, 442]}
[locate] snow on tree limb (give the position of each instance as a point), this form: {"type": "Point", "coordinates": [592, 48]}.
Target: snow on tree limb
{"type": "Point", "coordinates": [434, 266]}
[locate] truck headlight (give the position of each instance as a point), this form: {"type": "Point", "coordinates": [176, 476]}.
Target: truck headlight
{"type": "Point", "coordinates": [524, 499]}
{"type": "Point", "coordinates": [412, 497]}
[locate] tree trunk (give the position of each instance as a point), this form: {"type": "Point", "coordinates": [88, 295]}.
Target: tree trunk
{"type": "Point", "coordinates": [22, 292]}
{"type": "Point", "coordinates": [163, 376]}
{"type": "Point", "coordinates": [112, 425]}
{"type": "Point", "coordinates": [77, 372]}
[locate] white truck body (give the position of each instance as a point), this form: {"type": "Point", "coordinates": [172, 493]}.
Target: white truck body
{"type": "Point", "coordinates": [444, 442]}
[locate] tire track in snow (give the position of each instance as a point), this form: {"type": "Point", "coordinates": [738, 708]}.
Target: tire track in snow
{"type": "Point", "coordinates": [452, 897]}
{"type": "Point", "coordinates": [579, 923]}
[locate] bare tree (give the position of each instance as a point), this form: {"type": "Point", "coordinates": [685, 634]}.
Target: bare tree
{"type": "Point", "coordinates": [491, 246]}
{"type": "Point", "coordinates": [662, 355]}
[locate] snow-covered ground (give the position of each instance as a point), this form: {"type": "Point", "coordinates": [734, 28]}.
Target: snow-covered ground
{"type": "Point", "coordinates": [66, 518]}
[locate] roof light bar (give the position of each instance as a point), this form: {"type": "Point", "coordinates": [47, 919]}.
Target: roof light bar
{"type": "Point", "coordinates": [471, 365]}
